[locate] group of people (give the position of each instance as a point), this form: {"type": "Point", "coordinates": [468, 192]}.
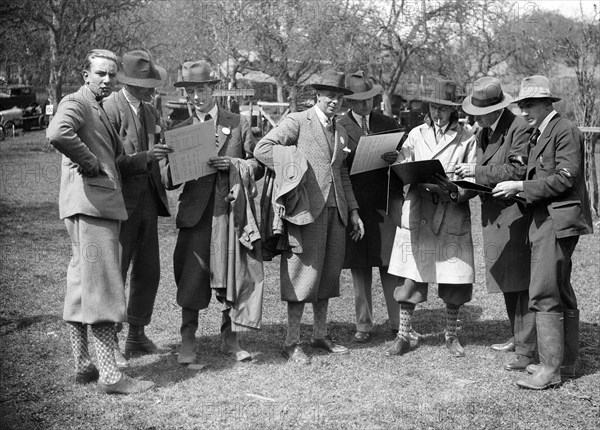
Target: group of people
{"type": "Point", "coordinates": [116, 169]}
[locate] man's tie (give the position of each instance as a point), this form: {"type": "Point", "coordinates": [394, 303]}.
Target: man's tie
{"type": "Point", "coordinates": [207, 117]}
{"type": "Point", "coordinates": [329, 125]}
{"type": "Point", "coordinates": [439, 134]}
{"type": "Point", "coordinates": [534, 137]}
{"type": "Point", "coordinates": [364, 125]}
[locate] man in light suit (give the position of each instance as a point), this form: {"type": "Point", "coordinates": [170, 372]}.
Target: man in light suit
{"type": "Point", "coordinates": [312, 275]}
{"type": "Point", "coordinates": [191, 259]}
{"type": "Point", "coordinates": [132, 114]}
{"type": "Point", "coordinates": [502, 149]}
{"type": "Point", "coordinates": [91, 203]}
{"type": "Point", "coordinates": [370, 189]}
{"type": "Point", "coordinates": [559, 210]}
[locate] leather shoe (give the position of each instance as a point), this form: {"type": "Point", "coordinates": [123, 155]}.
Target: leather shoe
{"type": "Point", "coordinates": [362, 337]}
{"type": "Point", "coordinates": [565, 371]}
{"type": "Point", "coordinates": [327, 344]}
{"type": "Point", "coordinates": [454, 347]}
{"type": "Point", "coordinates": [139, 346]}
{"type": "Point", "coordinates": [400, 346]}
{"type": "Point", "coordinates": [295, 354]}
{"type": "Point", "coordinates": [187, 352]}
{"type": "Point", "coordinates": [508, 346]}
{"type": "Point", "coordinates": [519, 364]}
{"type": "Point", "coordinates": [86, 377]}
{"type": "Point", "coordinates": [125, 385]}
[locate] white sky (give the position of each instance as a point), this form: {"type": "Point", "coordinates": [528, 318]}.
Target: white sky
{"type": "Point", "coordinates": [569, 8]}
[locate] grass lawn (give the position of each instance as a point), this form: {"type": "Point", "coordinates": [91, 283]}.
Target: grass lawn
{"type": "Point", "coordinates": [425, 389]}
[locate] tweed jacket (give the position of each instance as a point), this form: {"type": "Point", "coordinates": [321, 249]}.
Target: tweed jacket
{"type": "Point", "coordinates": [371, 191]}
{"type": "Point", "coordinates": [237, 141]}
{"type": "Point", "coordinates": [555, 181]}
{"type": "Point", "coordinates": [503, 157]}
{"type": "Point", "coordinates": [82, 132]}
{"type": "Point", "coordinates": [137, 139]}
{"type": "Point", "coordinates": [326, 166]}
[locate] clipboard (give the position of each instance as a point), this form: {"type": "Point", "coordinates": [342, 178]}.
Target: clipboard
{"type": "Point", "coordinates": [417, 171]}
{"type": "Point", "coordinates": [370, 149]}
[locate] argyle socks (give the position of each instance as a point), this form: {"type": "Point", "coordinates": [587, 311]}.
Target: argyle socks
{"type": "Point", "coordinates": [104, 335]}
{"type": "Point", "coordinates": [451, 319]}
{"type": "Point", "coordinates": [406, 313]}
{"type": "Point", "coordinates": [79, 345]}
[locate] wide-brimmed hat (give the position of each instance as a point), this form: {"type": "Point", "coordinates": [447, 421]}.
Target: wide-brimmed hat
{"type": "Point", "coordinates": [362, 87]}
{"type": "Point", "coordinates": [196, 72]}
{"type": "Point", "coordinates": [332, 81]}
{"type": "Point", "coordinates": [487, 96]}
{"type": "Point", "coordinates": [138, 70]}
{"type": "Point", "coordinates": [444, 93]}
{"type": "Point", "coordinates": [535, 87]}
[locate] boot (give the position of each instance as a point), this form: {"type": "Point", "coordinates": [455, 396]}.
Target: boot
{"type": "Point", "coordinates": [550, 339]}
{"type": "Point", "coordinates": [137, 342]}
{"type": "Point", "coordinates": [120, 359]}
{"type": "Point", "coordinates": [189, 325]}
{"type": "Point", "coordinates": [571, 345]}
{"type": "Point", "coordinates": [229, 342]}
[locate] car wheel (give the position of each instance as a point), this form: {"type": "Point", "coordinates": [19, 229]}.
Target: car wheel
{"type": "Point", "coordinates": [8, 128]}
{"type": "Point", "coordinates": [1, 133]}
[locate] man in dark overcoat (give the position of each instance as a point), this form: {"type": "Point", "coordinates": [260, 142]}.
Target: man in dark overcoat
{"type": "Point", "coordinates": [559, 212]}
{"type": "Point", "coordinates": [502, 149]}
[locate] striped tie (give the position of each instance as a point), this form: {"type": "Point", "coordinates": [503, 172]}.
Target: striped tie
{"type": "Point", "coordinates": [364, 126]}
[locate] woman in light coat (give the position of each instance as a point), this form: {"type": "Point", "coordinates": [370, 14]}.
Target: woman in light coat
{"type": "Point", "coordinates": [433, 243]}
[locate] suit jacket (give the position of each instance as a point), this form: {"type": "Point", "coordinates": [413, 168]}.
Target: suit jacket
{"type": "Point", "coordinates": [555, 182]}
{"type": "Point", "coordinates": [236, 142]}
{"type": "Point", "coordinates": [504, 158]}
{"type": "Point", "coordinates": [82, 132]}
{"type": "Point", "coordinates": [325, 160]}
{"type": "Point", "coordinates": [371, 191]}
{"type": "Point", "coordinates": [137, 138]}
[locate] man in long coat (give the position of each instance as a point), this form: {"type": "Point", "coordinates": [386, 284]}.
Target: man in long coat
{"type": "Point", "coordinates": [370, 189]}
{"type": "Point", "coordinates": [132, 114]}
{"type": "Point", "coordinates": [559, 211]}
{"type": "Point", "coordinates": [91, 203]}
{"type": "Point", "coordinates": [502, 149]}
{"type": "Point", "coordinates": [433, 243]}
{"type": "Point", "coordinates": [192, 255]}
{"type": "Point", "coordinates": [313, 275]}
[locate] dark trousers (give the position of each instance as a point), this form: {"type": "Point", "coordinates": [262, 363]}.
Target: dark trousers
{"type": "Point", "coordinates": [410, 291]}
{"type": "Point", "coordinates": [139, 248]}
{"type": "Point", "coordinates": [522, 321]}
{"type": "Point", "coordinates": [550, 289]}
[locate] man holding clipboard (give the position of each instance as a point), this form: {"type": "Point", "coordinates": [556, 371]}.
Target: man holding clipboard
{"type": "Point", "coordinates": [370, 189]}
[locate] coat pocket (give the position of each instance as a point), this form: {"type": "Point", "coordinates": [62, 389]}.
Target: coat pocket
{"type": "Point", "coordinates": [565, 214]}
{"type": "Point", "coordinates": [101, 181]}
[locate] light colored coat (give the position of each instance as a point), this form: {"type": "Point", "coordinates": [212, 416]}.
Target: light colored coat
{"type": "Point", "coordinates": [82, 132]}
{"type": "Point", "coordinates": [433, 243]}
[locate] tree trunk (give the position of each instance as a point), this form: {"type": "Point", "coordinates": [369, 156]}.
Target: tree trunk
{"type": "Point", "coordinates": [387, 102]}
{"type": "Point", "coordinates": [591, 174]}
{"type": "Point", "coordinates": [54, 87]}
{"type": "Point", "coordinates": [293, 99]}
{"type": "Point", "coordinates": [280, 95]}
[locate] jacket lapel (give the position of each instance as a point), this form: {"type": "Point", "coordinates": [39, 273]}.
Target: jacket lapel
{"type": "Point", "coordinates": [497, 138]}
{"type": "Point", "coordinates": [223, 131]}
{"type": "Point", "coordinates": [317, 131]}
{"type": "Point", "coordinates": [544, 138]}
{"type": "Point", "coordinates": [130, 121]}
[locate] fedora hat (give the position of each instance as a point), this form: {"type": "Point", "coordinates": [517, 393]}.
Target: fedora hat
{"type": "Point", "coordinates": [487, 96]}
{"type": "Point", "coordinates": [332, 81]}
{"type": "Point", "coordinates": [196, 72]}
{"type": "Point", "coordinates": [535, 87]}
{"type": "Point", "coordinates": [444, 93]}
{"type": "Point", "coordinates": [138, 70]}
{"type": "Point", "coordinates": [362, 87]}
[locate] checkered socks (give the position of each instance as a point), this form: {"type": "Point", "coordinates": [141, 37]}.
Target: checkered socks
{"type": "Point", "coordinates": [104, 335]}
{"type": "Point", "coordinates": [406, 313]}
{"type": "Point", "coordinates": [79, 345]}
{"type": "Point", "coordinates": [451, 319]}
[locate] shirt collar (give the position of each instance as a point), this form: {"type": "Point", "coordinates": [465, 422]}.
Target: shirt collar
{"type": "Point", "coordinates": [359, 118]}
{"type": "Point", "coordinates": [322, 117]}
{"type": "Point", "coordinates": [495, 124]}
{"type": "Point", "coordinates": [133, 100]}
{"type": "Point", "coordinates": [213, 113]}
{"type": "Point", "coordinates": [546, 120]}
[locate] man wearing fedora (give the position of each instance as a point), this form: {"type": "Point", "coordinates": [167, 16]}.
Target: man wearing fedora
{"type": "Point", "coordinates": [91, 204]}
{"type": "Point", "coordinates": [559, 211]}
{"type": "Point", "coordinates": [502, 149]}
{"type": "Point", "coordinates": [134, 117]}
{"type": "Point", "coordinates": [433, 244]}
{"type": "Point", "coordinates": [192, 255]}
{"type": "Point", "coordinates": [370, 189]}
{"type": "Point", "coordinates": [313, 274]}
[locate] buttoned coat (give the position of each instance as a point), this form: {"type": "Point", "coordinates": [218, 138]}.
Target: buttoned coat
{"type": "Point", "coordinates": [132, 132]}
{"type": "Point", "coordinates": [325, 163]}
{"type": "Point", "coordinates": [370, 190]}
{"type": "Point", "coordinates": [503, 157]}
{"type": "Point", "coordinates": [433, 243]}
{"type": "Point", "coordinates": [82, 132]}
{"type": "Point", "coordinates": [555, 180]}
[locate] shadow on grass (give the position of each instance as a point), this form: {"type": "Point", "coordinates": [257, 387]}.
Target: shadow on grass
{"type": "Point", "coordinates": [19, 323]}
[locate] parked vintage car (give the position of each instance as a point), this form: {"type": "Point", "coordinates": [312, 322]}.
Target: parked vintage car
{"type": "Point", "coordinates": [15, 118]}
